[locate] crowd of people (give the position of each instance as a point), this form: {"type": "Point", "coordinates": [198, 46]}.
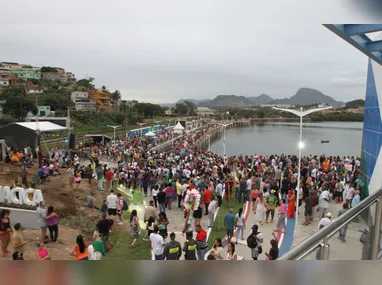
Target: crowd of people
{"type": "Point", "coordinates": [268, 183]}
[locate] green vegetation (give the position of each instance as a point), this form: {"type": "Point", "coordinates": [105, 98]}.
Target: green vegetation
{"type": "Point", "coordinates": [355, 104]}
{"type": "Point", "coordinates": [48, 69]}
{"type": "Point", "coordinates": [337, 116]}
{"type": "Point", "coordinates": [121, 245]}
{"type": "Point", "coordinates": [218, 230]}
{"type": "Point", "coordinates": [187, 108]}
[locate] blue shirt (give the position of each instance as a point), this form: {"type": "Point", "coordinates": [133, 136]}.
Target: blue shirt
{"type": "Point", "coordinates": [355, 201]}
{"type": "Point", "coordinates": [229, 220]}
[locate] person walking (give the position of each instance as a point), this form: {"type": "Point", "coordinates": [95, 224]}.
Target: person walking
{"type": "Point", "coordinates": [135, 228]}
{"type": "Point", "coordinates": [201, 240]}
{"type": "Point", "coordinates": [5, 231]}
{"type": "Point", "coordinates": [52, 223]}
{"type": "Point", "coordinates": [229, 223]}
{"type": "Point", "coordinates": [157, 244]}
{"type": "Point", "coordinates": [161, 196]}
{"type": "Point", "coordinates": [112, 203]}
{"type": "Point", "coordinates": [281, 217]}
{"type": "Point", "coordinates": [189, 247]}
{"type": "Point", "coordinates": [261, 204]}
{"type": "Point", "coordinates": [343, 230]}
{"type": "Point", "coordinates": [99, 173]}
{"type": "Point", "coordinates": [41, 215]}
{"type": "Point", "coordinates": [211, 211]}
{"type": "Point", "coordinates": [271, 206]}
{"type": "Point", "coordinates": [240, 225]}
{"type": "Point", "coordinates": [323, 204]}
{"type": "Point", "coordinates": [207, 199]}
{"type": "Point", "coordinates": [257, 249]}
{"type": "Point", "coordinates": [173, 249]}
{"type": "Point", "coordinates": [18, 240]}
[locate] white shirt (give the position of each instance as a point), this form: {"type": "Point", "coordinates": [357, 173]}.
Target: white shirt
{"type": "Point", "coordinates": [249, 184]}
{"type": "Point", "coordinates": [240, 220]}
{"type": "Point", "coordinates": [219, 189]}
{"type": "Point", "coordinates": [157, 243]}
{"type": "Point", "coordinates": [322, 203]}
{"type": "Point", "coordinates": [350, 193]}
{"type": "Point", "coordinates": [212, 207]}
{"type": "Point", "coordinates": [155, 192]}
{"type": "Point", "coordinates": [324, 221]}
{"type": "Point", "coordinates": [112, 201]}
{"type": "Point", "coordinates": [93, 254]}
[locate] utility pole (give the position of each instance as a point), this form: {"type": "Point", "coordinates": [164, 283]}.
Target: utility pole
{"type": "Point", "coordinates": [37, 127]}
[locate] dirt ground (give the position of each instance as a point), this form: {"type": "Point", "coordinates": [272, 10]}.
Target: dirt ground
{"type": "Point", "coordinates": [56, 192]}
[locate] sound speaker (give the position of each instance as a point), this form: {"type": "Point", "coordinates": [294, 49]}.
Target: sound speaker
{"type": "Point", "coordinates": [72, 141]}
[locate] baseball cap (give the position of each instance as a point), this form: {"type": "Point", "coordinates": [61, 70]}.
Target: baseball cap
{"type": "Point", "coordinates": [329, 215]}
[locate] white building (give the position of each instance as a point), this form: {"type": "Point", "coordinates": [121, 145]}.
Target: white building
{"type": "Point", "coordinates": [82, 102]}
{"type": "Point", "coordinates": [204, 111]}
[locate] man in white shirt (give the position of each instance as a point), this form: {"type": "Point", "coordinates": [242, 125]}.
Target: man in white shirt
{"type": "Point", "coordinates": [249, 188]}
{"type": "Point", "coordinates": [323, 204]}
{"type": "Point", "coordinates": [157, 244]}
{"type": "Point", "coordinates": [219, 192]}
{"type": "Point", "coordinates": [350, 194]}
{"type": "Point", "coordinates": [325, 221]}
{"type": "Point", "coordinates": [112, 203]}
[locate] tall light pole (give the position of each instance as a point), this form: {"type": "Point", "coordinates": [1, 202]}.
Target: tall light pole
{"type": "Point", "coordinates": [141, 124]}
{"type": "Point", "coordinates": [224, 139]}
{"type": "Point", "coordinates": [209, 142]}
{"type": "Point", "coordinates": [114, 127]}
{"type": "Point", "coordinates": [301, 145]}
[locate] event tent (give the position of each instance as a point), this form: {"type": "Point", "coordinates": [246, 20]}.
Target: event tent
{"type": "Point", "coordinates": [23, 134]}
{"type": "Point", "coordinates": [150, 134]}
{"type": "Point", "coordinates": [178, 129]}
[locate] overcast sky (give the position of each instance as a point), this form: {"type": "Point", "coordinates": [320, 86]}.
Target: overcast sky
{"type": "Point", "coordinates": [162, 51]}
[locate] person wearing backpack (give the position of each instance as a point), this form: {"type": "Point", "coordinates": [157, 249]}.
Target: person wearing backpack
{"type": "Point", "coordinates": [254, 241]}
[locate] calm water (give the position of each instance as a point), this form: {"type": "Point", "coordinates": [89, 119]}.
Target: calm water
{"type": "Point", "coordinates": [277, 138]}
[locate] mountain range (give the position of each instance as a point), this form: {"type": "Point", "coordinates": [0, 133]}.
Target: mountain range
{"type": "Point", "coordinates": [304, 96]}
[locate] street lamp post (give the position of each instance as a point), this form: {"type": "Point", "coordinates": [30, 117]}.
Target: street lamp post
{"type": "Point", "coordinates": [301, 114]}
{"type": "Point", "coordinates": [224, 139]}
{"type": "Point", "coordinates": [114, 127]}
{"type": "Point", "coordinates": [209, 143]}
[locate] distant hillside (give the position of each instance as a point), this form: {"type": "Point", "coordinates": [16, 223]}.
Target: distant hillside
{"type": "Point", "coordinates": [355, 104]}
{"type": "Point", "coordinates": [260, 100]}
{"type": "Point", "coordinates": [227, 101]}
{"type": "Point", "coordinates": [303, 97]}
{"type": "Point", "coordinates": [196, 102]}
{"type": "Point", "coordinates": [307, 96]}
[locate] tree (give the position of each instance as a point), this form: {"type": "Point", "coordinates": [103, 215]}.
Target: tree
{"type": "Point", "coordinates": [104, 89]}
{"type": "Point", "coordinates": [355, 104]}
{"type": "Point", "coordinates": [181, 109]}
{"type": "Point", "coordinates": [191, 108]}
{"type": "Point", "coordinates": [86, 83]}
{"type": "Point", "coordinates": [115, 96]}
{"type": "Point", "coordinates": [48, 69]}
{"type": "Point", "coordinates": [19, 106]}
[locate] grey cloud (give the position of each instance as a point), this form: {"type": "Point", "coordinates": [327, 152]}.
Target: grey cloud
{"type": "Point", "coordinates": [161, 51]}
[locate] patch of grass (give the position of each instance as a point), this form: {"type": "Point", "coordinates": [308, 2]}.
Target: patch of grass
{"type": "Point", "coordinates": [122, 249]}
{"type": "Point", "coordinates": [218, 230]}
{"type": "Point", "coordinates": [121, 243]}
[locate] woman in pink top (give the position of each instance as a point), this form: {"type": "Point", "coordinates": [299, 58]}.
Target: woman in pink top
{"type": "Point", "coordinates": [169, 190]}
{"type": "Point", "coordinates": [42, 253]}
{"type": "Point", "coordinates": [282, 215]}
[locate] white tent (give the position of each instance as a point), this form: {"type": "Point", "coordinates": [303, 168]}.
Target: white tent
{"type": "Point", "coordinates": [150, 134]}
{"type": "Point", "coordinates": [178, 129]}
